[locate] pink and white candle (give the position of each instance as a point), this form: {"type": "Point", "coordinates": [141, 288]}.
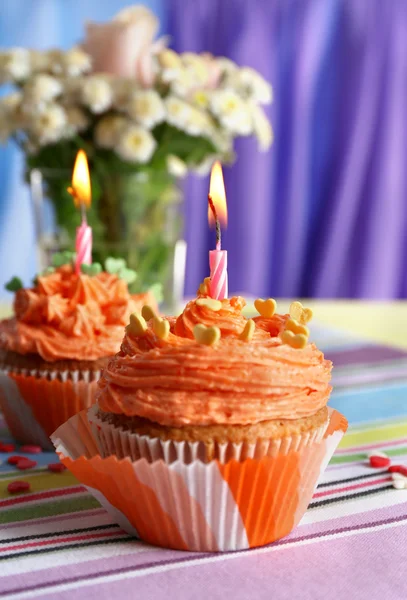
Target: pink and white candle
{"type": "Point", "coordinates": [218, 262]}
{"type": "Point", "coordinates": [81, 194]}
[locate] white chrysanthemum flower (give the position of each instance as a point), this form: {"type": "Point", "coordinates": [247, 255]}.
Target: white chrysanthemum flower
{"type": "Point", "coordinates": [41, 88]}
{"type": "Point", "coordinates": [232, 111]}
{"type": "Point", "coordinates": [49, 124]}
{"type": "Point", "coordinates": [197, 68]}
{"type": "Point", "coordinates": [55, 59]}
{"type": "Point", "coordinates": [226, 65]}
{"type": "Point", "coordinates": [123, 89]}
{"type": "Point", "coordinates": [97, 93]}
{"type": "Point", "coordinates": [257, 86]}
{"type": "Point", "coordinates": [147, 108]}
{"type": "Point", "coordinates": [262, 127]}
{"type": "Point", "coordinates": [39, 61]}
{"type": "Point", "coordinates": [168, 59]}
{"type": "Point", "coordinates": [136, 145]}
{"type": "Point", "coordinates": [14, 65]}
{"type": "Point", "coordinates": [199, 123]}
{"type": "Point", "coordinates": [178, 111]}
{"type": "Point", "coordinates": [75, 62]}
{"type": "Point", "coordinates": [176, 166]}
{"type": "Point", "coordinates": [201, 98]}
{"type": "Point", "coordinates": [109, 129]}
{"type": "Point", "coordinates": [11, 117]}
{"type": "Point", "coordinates": [77, 119]}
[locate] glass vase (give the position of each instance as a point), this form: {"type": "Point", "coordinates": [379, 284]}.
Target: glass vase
{"type": "Point", "coordinates": [136, 216]}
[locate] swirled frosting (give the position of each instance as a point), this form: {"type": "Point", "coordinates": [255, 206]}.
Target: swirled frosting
{"type": "Point", "coordinates": [69, 316]}
{"type": "Point", "coordinates": [177, 381]}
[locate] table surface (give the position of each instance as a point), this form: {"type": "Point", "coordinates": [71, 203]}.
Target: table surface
{"type": "Point", "coordinates": [56, 541]}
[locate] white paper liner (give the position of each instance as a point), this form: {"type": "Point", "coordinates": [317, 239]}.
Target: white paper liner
{"type": "Point", "coordinates": [199, 506]}
{"type": "Point", "coordinates": [117, 441]}
{"type": "Point", "coordinates": [18, 413]}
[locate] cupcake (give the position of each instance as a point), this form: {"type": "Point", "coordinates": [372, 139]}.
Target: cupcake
{"type": "Point", "coordinates": [53, 349]}
{"type": "Point", "coordinates": [210, 430]}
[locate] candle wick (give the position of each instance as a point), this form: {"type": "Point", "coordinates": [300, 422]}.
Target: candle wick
{"type": "Point", "coordinates": [217, 224]}
{"type": "Point", "coordinates": [83, 212]}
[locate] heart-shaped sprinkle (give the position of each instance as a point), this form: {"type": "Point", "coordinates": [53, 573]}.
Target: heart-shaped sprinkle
{"type": "Point", "coordinates": [210, 303]}
{"type": "Point", "coordinates": [137, 325]}
{"type": "Point", "coordinates": [204, 287]}
{"type": "Point", "coordinates": [18, 486]}
{"type": "Point", "coordinates": [14, 284]}
{"type": "Point", "coordinates": [379, 462]}
{"type": "Point", "coordinates": [128, 275]}
{"type": "Point", "coordinates": [13, 460]}
{"type": "Point", "coordinates": [31, 449]}
{"type": "Point", "coordinates": [26, 463]}
{"type": "Point", "coordinates": [56, 467]}
{"type": "Point", "coordinates": [399, 482]}
{"type": "Point", "coordinates": [402, 469]}
{"type": "Point", "coordinates": [63, 258]}
{"type": "Point", "coordinates": [266, 308]}
{"type": "Point", "coordinates": [206, 335]}
{"type": "Point", "coordinates": [7, 447]}
{"type": "Point", "coordinates": [299, 313]}
{"type": "Point", "coordinates": [295, 327]}
{"type": "Point", "coordinates": [161, 328]}
{"type": "Point", "coordinates": [148, 312]}
{"type": "Point", "coordinates": [114, 265]}
{"type": "Point", "coordinates": [248, 331]}
{"type": "Point", "coordinates": [295, 340]}
{"type": "Point", "coordinates": [91, 270]}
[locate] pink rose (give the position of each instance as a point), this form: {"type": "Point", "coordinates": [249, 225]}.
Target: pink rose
{"type": "Point", "coordinates": [124, 46]}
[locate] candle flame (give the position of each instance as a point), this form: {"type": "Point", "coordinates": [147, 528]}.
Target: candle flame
{"type": "Point", "coordinates": [80, 189]}
{"type": "Point", "coordinates": [218, 195]}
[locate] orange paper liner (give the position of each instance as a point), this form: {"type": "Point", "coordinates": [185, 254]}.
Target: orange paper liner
{"type": "Point", "coordinates": [200, 506]}
{"type": "Point", "coordinates": [34, 404]}
{"type": "Point", "coordinates": [123, 443]}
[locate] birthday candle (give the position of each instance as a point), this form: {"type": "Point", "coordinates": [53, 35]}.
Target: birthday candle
{"type": "Point", "coordinates": [81, 194]}
{"type": "Point", "coordinates": [218, 258]}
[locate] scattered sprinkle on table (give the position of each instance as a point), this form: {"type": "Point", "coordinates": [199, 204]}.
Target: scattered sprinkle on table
{"type": "Point", "coordinates": [56, 467]}
{"type": "Point", "coordinates": [31, 449]}
{"type": "Point", "coordinates": [18, 486]}
{"type": "Point", "coordinates": [26, 463]}
{"type": "Point", "coordinates": [7, 447]}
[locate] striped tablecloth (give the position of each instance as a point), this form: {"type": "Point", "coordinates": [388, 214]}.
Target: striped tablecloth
{"type": "Point", "coordinates": [57, 542]}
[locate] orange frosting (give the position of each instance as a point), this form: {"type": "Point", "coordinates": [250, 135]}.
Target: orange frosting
{"type": "Point", "coordinates": [178, 381]}
{"type": "Point", "coordinates": [69, 316]}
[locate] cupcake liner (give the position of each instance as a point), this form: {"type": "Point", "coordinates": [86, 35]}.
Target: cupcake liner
{"type": "Point", "coordinates": [36, 402]}
{"type": "Point", "coordinates": [199, 506]}
{"type": "Point", "coordinates": [123, 443]}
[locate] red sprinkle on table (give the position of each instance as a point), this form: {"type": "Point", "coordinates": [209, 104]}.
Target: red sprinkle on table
{"type": "Point", "coordinates": [7, 447]}
{"type": "Point", "coordinates": [379, 462]}
{"type": "Point", "coordinates": [26, 463]}
{"type": "Point", "coordinates": [18, 486]}
{"type": "Point", "coordinates": [31, 449]}
{"type": "Point", "coordinates": [398, 469]}
{"type": "Point", "coordinates": [13, 460]}
{"type": "Point", "coordinates": [56, 467]}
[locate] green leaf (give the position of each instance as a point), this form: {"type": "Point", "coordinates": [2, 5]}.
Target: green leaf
{"type": "Point", "coordinates": [128, 275]}
{"type": "Point", "coordinates": [14, 284]}
{"type": "Point", "coordinates": [91, 270]}
{"type": "Point", "coordinates": [114, 265]}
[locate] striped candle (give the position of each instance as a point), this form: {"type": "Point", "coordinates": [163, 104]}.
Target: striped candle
{"type": "Point", "coordinates": [83, 246]}
{"type": "Point", "coordinates": [218, 262]}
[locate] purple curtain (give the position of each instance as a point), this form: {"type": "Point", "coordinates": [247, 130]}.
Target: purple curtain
{"type": "Point", "coordinates": [324, 213]}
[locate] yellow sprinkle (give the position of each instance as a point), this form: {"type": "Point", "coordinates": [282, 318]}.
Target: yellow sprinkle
{"type": "Point", "coordinates": [295, 327]}
{"type": "Point", "coordinates": [137, 325]}
{"type": "Point", "coordinates": [204, 287]}
{"type": "Point", "coordinates": [210, 303]}
{"type": "Point", "coordinates": [148, 312]}
{"type": "Point", "coordinates": [299, 313]}
{"type": "Point", "coordinates": [206, 335]}
{"type": "Point", "coordinates": [248, 331]}
{"type": "Point", "coordinates": [297, 341]}
{"type": "Point", "coordinates": [161, 328]}
{"type": "Point", "coordinates": [266, 308]}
